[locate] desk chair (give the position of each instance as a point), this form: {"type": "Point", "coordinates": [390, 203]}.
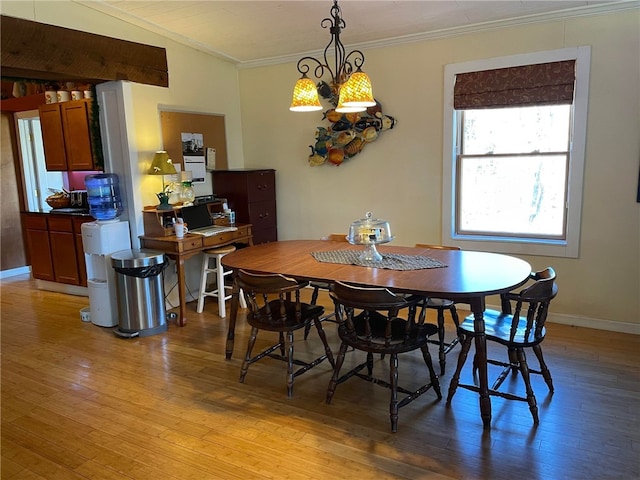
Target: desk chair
{"type": "Point", "coordinates": [219, 290]}
{"type": "Point", "coordinates": [516, 333]}
{"type": "Point", "coordinates": [441, 304]}
{"type": "Point", "coordinates": [368, 321]}
{"type": "Point", "coordinates": [272, 308]}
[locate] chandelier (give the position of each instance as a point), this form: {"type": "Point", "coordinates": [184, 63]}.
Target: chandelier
{"type": "Point", "coordinates": [348, 83]}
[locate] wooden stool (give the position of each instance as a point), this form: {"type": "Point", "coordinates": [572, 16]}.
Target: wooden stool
{"type": "Point", "coordinates": [219, 290]}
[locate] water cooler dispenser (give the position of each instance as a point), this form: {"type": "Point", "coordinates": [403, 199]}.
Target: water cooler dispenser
{"type": "Point", "coordinates": [100, 239]}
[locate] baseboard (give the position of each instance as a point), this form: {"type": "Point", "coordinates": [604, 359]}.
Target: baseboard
{"type": "Point", "coordinates": [14, 272]}
{"type": "Point", "coordinates": [45, 284]}
{"type": "Point", "coordinates": [62, 288]}
{"type": "Point", "coordinates": [586, 322]}
{"type": "Point", "coordinates": [597, 323]}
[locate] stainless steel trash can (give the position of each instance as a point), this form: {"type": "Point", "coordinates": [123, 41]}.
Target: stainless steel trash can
{"type": "Point", "coordinates": [140, 292]}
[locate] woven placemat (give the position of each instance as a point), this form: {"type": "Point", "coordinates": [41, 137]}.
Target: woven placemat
{"type": "Point", "coordinates": [391, 261]}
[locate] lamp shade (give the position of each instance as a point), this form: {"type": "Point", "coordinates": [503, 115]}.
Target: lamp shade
{"type": "Point", "coordinates": [356, 92]}
{"type": "Point", "coordinates": [161, 164]}
{"type": "Point", "coordinates": [305, 96]}
{"type": "Point", "coordinates": [342, 109]}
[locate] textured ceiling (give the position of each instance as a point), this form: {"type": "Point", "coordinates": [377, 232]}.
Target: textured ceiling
{"type": "Point", "coordinates": [254, 32]}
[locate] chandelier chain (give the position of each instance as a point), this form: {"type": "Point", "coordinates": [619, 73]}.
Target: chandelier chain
{"type": "Point", "coordinates": [344, 64]}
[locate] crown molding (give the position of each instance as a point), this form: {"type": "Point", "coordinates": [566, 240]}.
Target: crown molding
{"type": "Point", "coordinates": [120, 14]}
{"type": "Point", "coordinates": [559, 15]}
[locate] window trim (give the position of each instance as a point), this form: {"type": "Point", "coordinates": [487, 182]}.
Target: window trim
{"type": "Point", "coordinates": [556, 248]}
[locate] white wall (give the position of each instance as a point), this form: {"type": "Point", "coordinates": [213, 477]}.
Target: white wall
{"type": "Point", "coordinates": [197, 83]}
{"type": "Point", "coordinates": [399, 177]}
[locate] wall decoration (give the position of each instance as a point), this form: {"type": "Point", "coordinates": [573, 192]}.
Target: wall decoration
{"type": "Point", "coordinates": [210, 130]}
{"type": "Point", "coordinates": [347, 133]}
{"type": "Point", "coordinates": [211, 158]}
{"type": "Point", "coordinates": [193, 155]}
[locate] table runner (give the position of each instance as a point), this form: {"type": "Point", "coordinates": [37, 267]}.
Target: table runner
{"type": "Point", "coordinates": [391, 261]}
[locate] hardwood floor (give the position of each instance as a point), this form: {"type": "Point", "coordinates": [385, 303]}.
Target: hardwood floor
{"type": "Point", "coordinates": [80, 403]}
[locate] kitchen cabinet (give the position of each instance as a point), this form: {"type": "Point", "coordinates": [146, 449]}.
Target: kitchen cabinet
{"type": "Point", "coordinates": [63, 250]}
{"type": "Point", "coordinates": [54, 243]}
{"type": "Point", "coordinates": [66, 135]}
{"type": "Point", "coordinates": [251, 193]}
{"type": "Point", "coordinates": [38, 247]}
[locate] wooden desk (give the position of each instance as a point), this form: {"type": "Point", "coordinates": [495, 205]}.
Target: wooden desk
{"type": "Point", "coordinates": [468, 278]}
{"type": "Point", "coordinates": [182, 248]}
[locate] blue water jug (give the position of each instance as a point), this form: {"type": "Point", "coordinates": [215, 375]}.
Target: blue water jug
{"type": "Point", "coordinates": [103, 195]}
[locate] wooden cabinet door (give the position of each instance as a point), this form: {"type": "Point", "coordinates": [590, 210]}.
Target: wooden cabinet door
{"type": "Point", "coordinates": [40, 254]}
{"type": "Point", "coordinates": [264, 235]}
{"type": "Point", "coordinates": [63, 252]}
{"type": "Point", "coordinates": [63, 249]}
{"type": "Point", "coordinates": [77, 135]}
{"type": "Point", "coordinates": [36, 236]}
{"type": "Point", "coordinates": [53, 137]}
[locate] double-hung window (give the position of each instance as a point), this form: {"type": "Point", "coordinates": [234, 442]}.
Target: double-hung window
{"type": "Point", "coordinates": [514, 152]}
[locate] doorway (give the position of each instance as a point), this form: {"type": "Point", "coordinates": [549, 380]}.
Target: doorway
{"type": "Point", "coordinates": [38, 182]}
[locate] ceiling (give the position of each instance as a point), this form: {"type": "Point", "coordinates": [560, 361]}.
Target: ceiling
{"type": "Point", "coordinates": [253, 33]}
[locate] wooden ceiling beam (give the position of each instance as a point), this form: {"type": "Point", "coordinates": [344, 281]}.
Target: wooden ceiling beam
{"type": "Point", "coordinates": [34, 50]}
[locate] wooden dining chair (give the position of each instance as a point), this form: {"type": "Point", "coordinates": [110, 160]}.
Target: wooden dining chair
{"type": "Point", "coordinates": [516, 332]}
{"type": "Point", "coordinates": [274, 305]}
{"type": "Point", "coordinates": [318, 286]}
{"type": "Point", "coordinates": [368, 321]}
{"type": "Point", "coordinates": [440, 305]}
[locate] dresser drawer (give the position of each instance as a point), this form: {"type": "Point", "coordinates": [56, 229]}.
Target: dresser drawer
{"type": "Point", "coordinates": [171, 245]}
{"type": "Point", "coordinates": [262, 215]}
{"type": "Point", "coordinates": [59, 223]}
{"type": "Point", "coordinates": [265, 235]}
{"type": "Point", "coordinates": [227, 237]}
{"type": "Point", "coordinates": [261, 186]}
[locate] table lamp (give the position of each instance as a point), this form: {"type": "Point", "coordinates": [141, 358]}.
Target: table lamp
{"type": "Point", "coordinates": [161, 165]}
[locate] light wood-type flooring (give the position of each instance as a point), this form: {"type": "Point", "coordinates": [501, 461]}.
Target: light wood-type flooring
{"type": "Point", "coordinates": [80, 403]}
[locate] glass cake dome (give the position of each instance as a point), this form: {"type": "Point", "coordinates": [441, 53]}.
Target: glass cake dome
{"type": "Point", "coordinates": [369, 231]}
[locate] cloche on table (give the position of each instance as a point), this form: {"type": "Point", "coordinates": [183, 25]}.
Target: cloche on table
{"type": "Point", "coordinates": [369, 231]}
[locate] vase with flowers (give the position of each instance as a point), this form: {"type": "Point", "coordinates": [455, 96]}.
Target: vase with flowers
{"type": "Point", "coordinates": [164, 196]}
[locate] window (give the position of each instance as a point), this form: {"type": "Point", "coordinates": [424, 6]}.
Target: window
{"type": "Point", "coordinates": [512, 171]}
{"type": "Point", "coordinates": [513, 161]}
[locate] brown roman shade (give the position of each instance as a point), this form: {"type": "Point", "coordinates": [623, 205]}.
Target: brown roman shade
{"type": "Point", "coordinates": [540, 84]}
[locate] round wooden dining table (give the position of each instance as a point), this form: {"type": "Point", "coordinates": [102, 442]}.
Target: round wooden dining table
{"type": "Point", "coordinates": [466, 277]}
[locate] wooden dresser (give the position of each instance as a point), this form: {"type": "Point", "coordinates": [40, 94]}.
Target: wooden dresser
{"type": "Point", "coordinates": [252, 195]}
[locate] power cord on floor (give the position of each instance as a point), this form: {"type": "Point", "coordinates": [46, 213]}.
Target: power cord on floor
{"type": "Point", "coordinates": [175, 284]}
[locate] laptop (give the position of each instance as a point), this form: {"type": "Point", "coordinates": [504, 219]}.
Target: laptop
{"type": "Point", "coordinates": [198, 220]}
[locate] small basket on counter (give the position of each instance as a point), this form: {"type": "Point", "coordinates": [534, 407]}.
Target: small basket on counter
{"type": "Point", "coordinates": [58, 201]}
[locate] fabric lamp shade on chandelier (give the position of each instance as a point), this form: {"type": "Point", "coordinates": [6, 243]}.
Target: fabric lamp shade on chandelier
{"type": "Point", "coordinates": [348, 82]}
{"type": "Point", "coordinates": [161, 165]}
